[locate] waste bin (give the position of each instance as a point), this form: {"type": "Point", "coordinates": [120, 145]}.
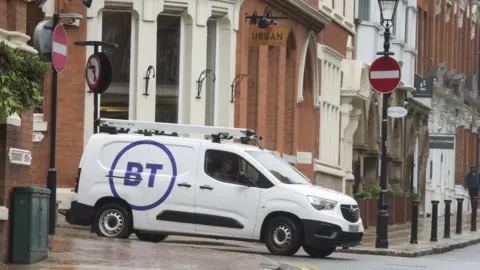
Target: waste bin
{"type": "Point", "coordinates": [30, 215]}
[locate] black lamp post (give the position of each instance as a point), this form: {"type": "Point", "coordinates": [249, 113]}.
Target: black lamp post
{"type": "Point", "coordinates": [388, 9]}
{"type": "Point", "coordinates": [52, 171]}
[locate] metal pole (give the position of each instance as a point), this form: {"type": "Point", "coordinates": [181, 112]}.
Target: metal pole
{"type": "Point", "coordinates": [473, 224]}
{"type": "Point", "coordinates": [446, 231]}
{"type": "Point", "coordinates": [52, 172]}
{"type": "Point", "coordinates": [433, 236]}
{"type": "Point", "coordinates": [382, 217]}
{"type": "Point", "coordinates": [414, 229]}
{"type": "Point", "coordinates": [95, 103]}
{"type": "Point", "coordinates": [458, 229]}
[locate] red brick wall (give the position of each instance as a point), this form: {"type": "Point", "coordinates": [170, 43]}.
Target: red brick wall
{"type": "Point", "coordinates": [70, 109]}
{"type": "Point", "coordinates": [14, 175]}
{"type": "Point", "coordinates": [3, 14]}
{"type": "Point", "coordinates": [16, 16]}
{"type": "Point", "coordinates": [465, 153]}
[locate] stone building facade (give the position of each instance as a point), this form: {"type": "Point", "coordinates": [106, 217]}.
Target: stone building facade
{"type": "Point", "coordinates": [451, 68]}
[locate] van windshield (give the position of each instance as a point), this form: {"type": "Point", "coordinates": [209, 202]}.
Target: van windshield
{"type": "Point", "coordinates": [281, 169]}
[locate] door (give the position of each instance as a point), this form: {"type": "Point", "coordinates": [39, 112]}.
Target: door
{"type": "Point", "coordinates": [224, 205]}
{"type": "Point", "coordinates": [170, 186]}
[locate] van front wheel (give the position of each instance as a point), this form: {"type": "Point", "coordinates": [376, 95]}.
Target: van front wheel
{"type": "Point", "coordinates": [113, 220]}
{"type": "Point", "coordinates": [283, 236]}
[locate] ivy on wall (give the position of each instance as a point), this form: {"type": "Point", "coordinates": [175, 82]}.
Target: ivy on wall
{"type": "Point", "coordinates": [21, 75]}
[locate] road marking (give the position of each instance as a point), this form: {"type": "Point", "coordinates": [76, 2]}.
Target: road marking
{"type": "Point", "coordinates": [300, 266]}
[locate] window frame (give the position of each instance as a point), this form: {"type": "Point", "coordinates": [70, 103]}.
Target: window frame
{"type": "Point", "coordinates": [240, 158]}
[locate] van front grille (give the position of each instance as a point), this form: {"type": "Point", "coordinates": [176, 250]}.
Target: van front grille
{"type": "Point", "coordinates": [350, 212]}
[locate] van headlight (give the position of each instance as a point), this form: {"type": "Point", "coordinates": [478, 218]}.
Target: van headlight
{"type": "Point", "coordinates": [321, 204]}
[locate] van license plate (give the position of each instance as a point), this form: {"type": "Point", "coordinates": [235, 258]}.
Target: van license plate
{"type": "Point", "coordinates": [353, 228]}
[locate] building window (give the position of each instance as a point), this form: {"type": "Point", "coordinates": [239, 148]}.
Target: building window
{"type": "Point", "coordinates": [168, 68]}
{"type": "Point", "coordinates": [407, 24]}
{"type": "Point", "coordinates": [364, 10]}
{"type": "Point", "coordinates": [117, 28]}
{"type": "Point", "coordinates": [211, 64]}
{"type": "Point", "coordinates": [330, 107]}
{"type": "Point", "coordinates": [473, 29]}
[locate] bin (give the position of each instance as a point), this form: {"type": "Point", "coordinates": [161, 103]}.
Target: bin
{"type": "Point", "coordinates": [30, 217]}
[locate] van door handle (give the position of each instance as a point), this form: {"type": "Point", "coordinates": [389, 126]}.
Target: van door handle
{"type": "Point", "coordinates": [184, 184]}
{"type": "Point", "coordinates": [206, 187]}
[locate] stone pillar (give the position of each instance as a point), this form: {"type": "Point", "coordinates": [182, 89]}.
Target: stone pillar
{"type": "Point", "coordinates": [350, 112]}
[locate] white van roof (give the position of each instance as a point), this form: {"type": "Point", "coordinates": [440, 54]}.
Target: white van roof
{"type": "Point", "coordinates": [131, 129]}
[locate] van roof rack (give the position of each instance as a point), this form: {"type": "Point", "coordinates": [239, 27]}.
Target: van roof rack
{"type": "Point", "coordinates": [216, 134]}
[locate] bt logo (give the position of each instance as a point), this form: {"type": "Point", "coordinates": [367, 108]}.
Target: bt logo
{"type": "Point", "coordinates": [133, 175]}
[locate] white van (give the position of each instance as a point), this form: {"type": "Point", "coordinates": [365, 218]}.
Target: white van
{"type": "Point", "coordinates": [155, 184]}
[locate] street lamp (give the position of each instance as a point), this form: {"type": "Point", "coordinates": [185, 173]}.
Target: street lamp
{"type": "Point", "coordinates": [388, 9]}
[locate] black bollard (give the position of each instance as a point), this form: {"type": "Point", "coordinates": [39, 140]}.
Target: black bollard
{"type": "Point", "coordinates": [414, 229]}
{"type": "Point", "coordinates": [446, 231]}
{"type": "Point", "coordinates": [473, 224]}
{"type": "Point", "coordinates": [458, 229]}
{"type": "Point", "coordinates": [433, 237]}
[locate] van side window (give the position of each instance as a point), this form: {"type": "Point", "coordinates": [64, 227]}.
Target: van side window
{"type": "Point", "coordinates": [225, 166]}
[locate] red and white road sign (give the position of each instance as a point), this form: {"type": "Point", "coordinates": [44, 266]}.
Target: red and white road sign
{"type": "Point", "coordinates": [92, 71]}
{"type": "Point", "coordinates": [59, 48]}
{"type": "Point", "coordinates": [385, 74]}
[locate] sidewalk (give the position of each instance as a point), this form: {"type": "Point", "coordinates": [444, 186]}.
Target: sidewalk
{"type": "Point", "coordinates": [399, 239]}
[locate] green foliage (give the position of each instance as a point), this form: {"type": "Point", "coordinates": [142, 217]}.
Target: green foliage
{"type": "Point", "coordinates": [415, 195]}
{"type": "Point", "coordinates": [375, 191]}
{"type": "Point", "coordinates": [362, 195]}
{"type": "Point", "coordinates": [390, 193]}
{"type": "Point", "coordinates": [21, 74]}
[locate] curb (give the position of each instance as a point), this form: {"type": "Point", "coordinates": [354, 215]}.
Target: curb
{"type": "Point", "coordinates": [430, 251]}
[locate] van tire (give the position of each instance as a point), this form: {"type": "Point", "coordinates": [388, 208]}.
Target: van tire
{"type": "Point", "coordinates": [318, 251]}
{"type": "Point", "coordinates": [114, 215]}
{"type": "Point", "coordinates": [283, 236]}
{"type": "Point", "coordinates": [150, 236]}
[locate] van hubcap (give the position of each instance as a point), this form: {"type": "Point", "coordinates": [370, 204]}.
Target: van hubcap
{"type": "Point", "coordinates": [282, 235]}
{"type": "Point", "coordinates": [111, 222]}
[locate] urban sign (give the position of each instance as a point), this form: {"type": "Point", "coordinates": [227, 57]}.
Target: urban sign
{"type": "Point", "coordinates": [272, 36]}
{"type": "Point", "coordinates": [93, 70]}
{"type": "Point", "coordinates": [20, 156]}
{"type": "Point", "coordinates": [385, 74]}
{"type": "Point", "coordinates": [59, 48]}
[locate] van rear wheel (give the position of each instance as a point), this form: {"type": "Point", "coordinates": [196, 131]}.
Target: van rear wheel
{"type": "Point", "coordinates": [113, 220]}
{"type": "Point", "coordinates": [318, 251]}
{"type": "Point", "coordinates": [283, 236]}
{"type": "Point", "coordinates": [150, 236]}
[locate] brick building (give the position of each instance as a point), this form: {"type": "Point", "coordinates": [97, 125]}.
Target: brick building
{"type": "Point", "coordinates": [448, 48]}
{"type": "Point", "coordinates": [295, 101]}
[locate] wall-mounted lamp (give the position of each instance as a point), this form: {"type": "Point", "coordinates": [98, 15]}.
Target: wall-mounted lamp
{"type": "Point", "coordinates": [266, 19]}
{"type": "Point", "coordinates": [201, 79]}
{"type": "Point", "coordinates": [237, 81]}
{"type": "Point", "coordinates": [147, 78]}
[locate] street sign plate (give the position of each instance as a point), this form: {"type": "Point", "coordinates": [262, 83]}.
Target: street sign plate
{"type": "Point", "coordinates": [59, 48]}
{"type": "Point", "coordinates": [385, 74]}
{"type": "Point", "coordinates": [93, 71]}
{"type": "Point", "coordinates": [397, 112]}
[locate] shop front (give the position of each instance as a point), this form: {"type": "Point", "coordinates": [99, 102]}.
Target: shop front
{"type": "Point", "coordinates": [185, 48]}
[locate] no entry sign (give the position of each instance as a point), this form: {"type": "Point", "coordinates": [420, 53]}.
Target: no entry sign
{"type": "Point", "coordinates": [59, 48]}
{"type": "Point", "coordinates": [385, 74]}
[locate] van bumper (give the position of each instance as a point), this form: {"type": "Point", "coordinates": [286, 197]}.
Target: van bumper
{"type": "Point", "coordinates": [327, 234]}
{"type": "Point", "coordinates": [79, 214]}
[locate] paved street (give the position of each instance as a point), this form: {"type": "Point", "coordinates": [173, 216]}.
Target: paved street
{"type": "Point", "coordinates": [465, 259]}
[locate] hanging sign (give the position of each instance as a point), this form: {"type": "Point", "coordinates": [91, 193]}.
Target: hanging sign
{"type": "Point", "coordinates": [272, 35]}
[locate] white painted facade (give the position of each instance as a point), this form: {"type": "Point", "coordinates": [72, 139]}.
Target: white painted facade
{"type": "Point", "coordinates": [334, 163]}
{"type": "Point", "coordinates": [192, 60]}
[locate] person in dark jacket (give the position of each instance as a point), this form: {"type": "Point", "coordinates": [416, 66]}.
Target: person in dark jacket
{"type": "Point", "coordinates": [471, 182]}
